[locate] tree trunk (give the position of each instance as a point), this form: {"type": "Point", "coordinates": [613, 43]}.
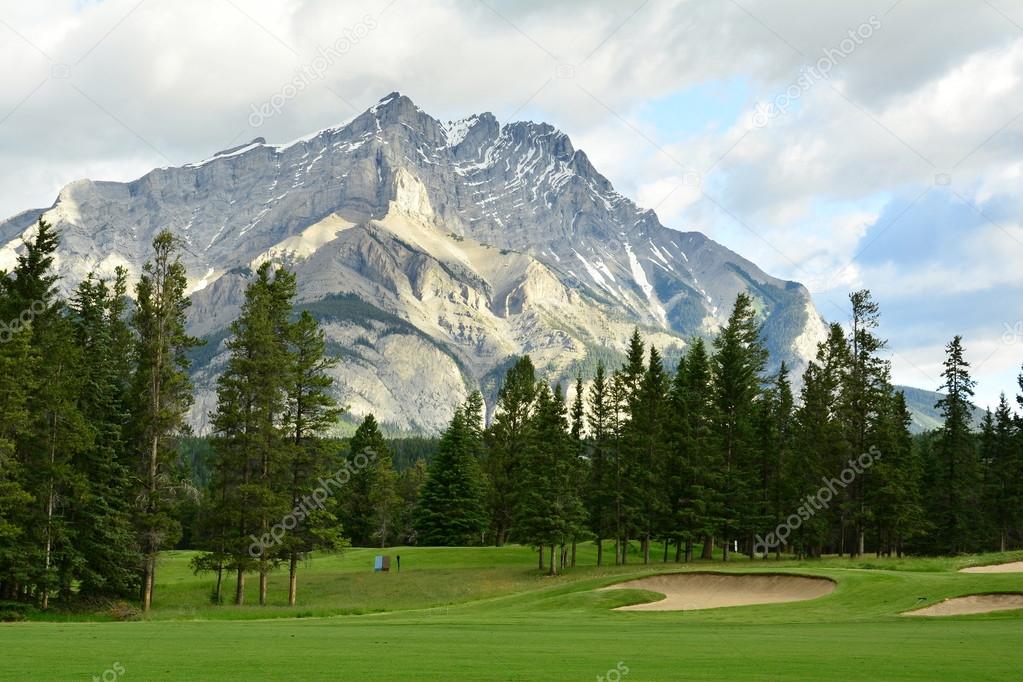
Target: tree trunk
{"type": "Point", "coordinates": [572, 561]}
{"type": "Point", "coordinates": [708, 547]}
{"type": "Point", "coordinates": [293, 579]}
{"type": "Point", "coordinates": [147, 581]}
{"type": "Point", "coordinates": [724, 550]}
{"type": "Point", "coordinates": [553, 570]}
{"type": "Point", "coordinates": [239, 589]}
{"type": "Point", "coordinates": [600, 551]}
{"type": "Point", "coordinates": [664, 560]}
{"type": "Point", "coordinates": [219, 594]}
{"type": "Point", "coordinates": [678, 550]}
{"type": "Point", "coordinates": [541, 557]}
{"type": "Point", "coordinates": [264, 572]}
{"type": "Point", "coordinates": [689, 550]}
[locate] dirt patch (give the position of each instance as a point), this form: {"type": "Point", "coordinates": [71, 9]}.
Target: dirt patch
{"type": "Point", "coordinates": [692, 591]}
{"type": "Point", "coordinates": [974, 603]}
{"type": "Point", "coordinates": [1011, 567]}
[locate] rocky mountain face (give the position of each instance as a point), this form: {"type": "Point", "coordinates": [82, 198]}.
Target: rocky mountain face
{"type": "Point", "coordinates": [924, 414]}
{"type": "Point", "coordinates": [433, 253]}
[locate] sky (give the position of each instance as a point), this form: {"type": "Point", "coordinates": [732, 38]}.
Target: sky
{"type": "Point", "coordinates": [842, 145]}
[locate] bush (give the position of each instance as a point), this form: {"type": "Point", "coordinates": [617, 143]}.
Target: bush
{"type": "Point", "coordinates": [12, 611]}
{"type": "Point", "coordinates": [122, 610]}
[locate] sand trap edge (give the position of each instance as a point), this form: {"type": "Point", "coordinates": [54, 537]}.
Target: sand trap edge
{"type": "Point", "coordinates": [1011, 601]}
{"type": "Point", "coordinates": [1005, 567]}
{"type": "Point", "coordinates": [670, 600]}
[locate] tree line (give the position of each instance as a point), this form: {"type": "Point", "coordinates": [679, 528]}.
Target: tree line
{"type": "Point", "coordinates": [707, 457]}
{"type": "Point", "coordinates": [93, 392]}
{"type": "Point", "coordinates": [720, 454]}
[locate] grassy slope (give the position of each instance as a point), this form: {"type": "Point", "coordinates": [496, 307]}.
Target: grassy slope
{"type": "Point", "coordinates": [500, 620]}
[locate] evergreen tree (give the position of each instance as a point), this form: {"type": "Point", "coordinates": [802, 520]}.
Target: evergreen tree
{"type": "Point", "coordinates": [410, 485]}
{"type": "Point", "coordinates": [370, 500]}
{"type": "Point", "coordinates": [775, 428]}
{"type": "Point", "coordinates": [955, 500]}
{"type": "Point", "coordinates": [56, 431]}
{"type": "Point", "coordinates": [507, 441]}
{"type": "Point", "coordinates": [17, 373]}
{"type": "Point", "coordinates": [896, 498]}
{"type": "Point", "coordinates": [695, 505]}
{"type": "Point", "coordinates": [310, 412]}
{"type": "Point", "coordinates": [1002, 462]}
{"type": "Point", "coordinates": [252, 457]}
{"type": "Point", "coordinates": [549, 512]}
{"type": "Point", "coordinates": [161, 394]}
{"type": "Point", "coordinates": [451, 507]}
{"type": "Point", "coordinates": [599, 496]}
{"type": "Point", "coordinates": [865, 388]}
{"type": "Point", "coordinates": [648, 442]}
{"type": "Point", "coordinates": [819, 450]}
{"type": "Point", "coordinates": [102, 519]}
{"type": "Point", "coordinates": [474, 411]}
{"type": "Point", "coordinates": [739, 360]}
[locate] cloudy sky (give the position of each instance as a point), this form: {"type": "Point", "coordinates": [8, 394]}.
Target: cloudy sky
{"type": "Point", "coordinates": [843, 145]}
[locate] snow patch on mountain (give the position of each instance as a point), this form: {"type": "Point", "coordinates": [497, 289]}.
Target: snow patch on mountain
{"type": "Point", "coordinates": [639, 275]}
{"type": "Point", "coordinates": [455, 131]}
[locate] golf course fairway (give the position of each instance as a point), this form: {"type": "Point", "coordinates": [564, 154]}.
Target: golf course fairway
{"type": "Point", "coordinates": [488, 614]}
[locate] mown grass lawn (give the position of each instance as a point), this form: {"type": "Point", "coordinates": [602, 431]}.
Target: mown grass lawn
{"type": "Point", "coordinates": [486, 614]}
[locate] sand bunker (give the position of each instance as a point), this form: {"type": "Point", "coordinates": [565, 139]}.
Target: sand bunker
{"type": "Point", "coordinates": [690, 591]}
{"type": "Point", "coordinates": [1011, 567]}
{"type": "Point", "coordinates": [975, 603]}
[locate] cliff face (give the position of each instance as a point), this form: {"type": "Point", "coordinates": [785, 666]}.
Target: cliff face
{"type": "Point", "coordinates": [432, 252]}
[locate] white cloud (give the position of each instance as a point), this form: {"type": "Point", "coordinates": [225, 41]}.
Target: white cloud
{"type": "Point", "coordinates": [156, 83]}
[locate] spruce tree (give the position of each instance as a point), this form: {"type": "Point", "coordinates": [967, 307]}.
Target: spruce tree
{"type": "Point", "coordinates": [1002, 463]}
{"type": "Point", "coordinates": [696, 501]}
{"type": "Point", "coordinates": [648, 441]}
{"type": "Point", "coordinates": [56, 430]}
{"type": "Point", "coordinates": [507, 441]}
{"type": "Point", "coordinates": [866, 386]}
{"type": "Point", "coordinates": [451, 508]}
{"type": "Point", "coordinates": [252, 459]}
{"type": "Point", "coordinates": [955, 502]}
{"type": "Point", "coordinates": [739, 360]}
{"type": "Point", "coordinates": [599, 497]}
{"type": "Point", "coordinates": [369, 502]}
{"type": "Point", "coordinates": [819, 450]}
{"type": "Point", "coordinates": [310, 412]}
{"type": "Point", "coordinates": [102, 519]}
{"type": "Point", "coordinates": [161, 395]}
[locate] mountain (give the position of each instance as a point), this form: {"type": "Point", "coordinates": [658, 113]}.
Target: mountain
{"type": "Point", "coordinates": [923, 413]}
{"type": "Point", "coordinates": [433, 253]}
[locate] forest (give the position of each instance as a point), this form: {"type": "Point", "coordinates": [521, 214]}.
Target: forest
{"type": "Point", "coordinates": [712, 456]}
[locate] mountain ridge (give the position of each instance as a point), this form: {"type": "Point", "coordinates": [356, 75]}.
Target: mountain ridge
{"type": "Point", "coordinates": [485, 240]}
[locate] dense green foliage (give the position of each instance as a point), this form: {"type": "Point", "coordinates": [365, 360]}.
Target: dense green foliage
{"type": "Point", "coordinates": [96, 479]}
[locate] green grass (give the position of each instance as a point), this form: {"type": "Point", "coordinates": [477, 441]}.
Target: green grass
{"type": "Point", "coordinates": [486, 614]}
